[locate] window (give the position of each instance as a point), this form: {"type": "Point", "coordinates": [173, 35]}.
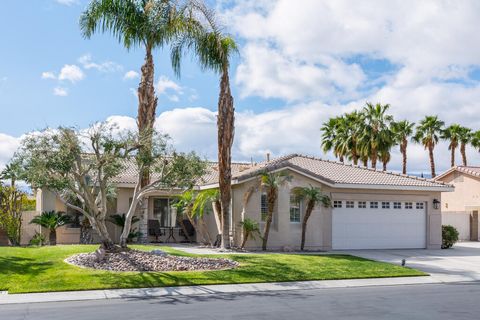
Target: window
{"type": "Point", "coordinates": [362, 204]}
{"type": "Point", "coordinates": [161, 211]}
{"type": "Point", "coordinates": [294, 208]}
{"type": "Point", "coordinates": [373, 205]}
{"type": "Point", "coordinates": [397, 205]}
{"type": "Point", "coordinates": [385, 205]}
{"type": "Point", "coordinates": [263, 206]}
{"type": "Point", "coordinates": [408, 205]}
{"type": "Point", "coordinates": [419, 205]}
{"type": "Point", "coordinates": [350, 204]}
{"type": "Point", "coordinates": [337, 203]}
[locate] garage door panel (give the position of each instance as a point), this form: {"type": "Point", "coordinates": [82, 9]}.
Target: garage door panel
{"type": "Point", "coordinates": [355, 228]}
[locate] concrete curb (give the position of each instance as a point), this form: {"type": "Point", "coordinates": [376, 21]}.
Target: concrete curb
{"type": "Point", "coordinates": [143, 293]}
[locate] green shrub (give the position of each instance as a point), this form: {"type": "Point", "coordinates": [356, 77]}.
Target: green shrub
{"type": "Point", "coordinates": [38, 239]}
{"type": "Point", "coordinates": [449, 236]}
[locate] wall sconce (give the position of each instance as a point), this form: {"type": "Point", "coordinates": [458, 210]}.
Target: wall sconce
{"type": "Point", "coordinates": [436, 204]}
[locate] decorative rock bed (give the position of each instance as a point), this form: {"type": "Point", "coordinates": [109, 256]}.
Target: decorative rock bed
{"type": "Point", "coordinates": [135, 260]}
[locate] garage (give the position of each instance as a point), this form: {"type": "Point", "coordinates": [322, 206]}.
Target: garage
{"type": "Point", "coordinates": [378, 224]}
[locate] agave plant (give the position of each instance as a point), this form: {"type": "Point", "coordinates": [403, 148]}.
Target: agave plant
{"type": "Point", "coordinates": [52, 220]}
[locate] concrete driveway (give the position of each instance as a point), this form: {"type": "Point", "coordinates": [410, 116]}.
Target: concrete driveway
{"type": "Point", "coordinates": [460, 263]}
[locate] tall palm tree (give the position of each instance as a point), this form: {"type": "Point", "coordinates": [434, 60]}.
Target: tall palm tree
{"type": "Point", "coordinates": [452, 135]}
{"type": "Point", "coordinates": [214, 50]}
{"type": "Point", "coordinates": [271, 182]}
{"type": "Point", "coordinates": [428, 133]}
{"type": "Point", "coordinates": [333, 131]}
{"type": "Point", "coordinates": [475, 140]}
{"type": "Point", "coordinates": [465, 138]}
{"type": "Point", "coordinates": [402, 131]}
{"type": "Point", "coordinates": [376, 129]}
{"type": "Point", "coordinates": [148, 24]}
{"type": "Point", "coordinates": [349, 133]}
{"type": "Point", "coordinates": [312, 196]}
{"type": "Point", "coordinates": [51, 220]}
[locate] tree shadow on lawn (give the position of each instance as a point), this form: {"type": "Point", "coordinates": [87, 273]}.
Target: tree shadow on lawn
{"type": "Point", "coordinates": [258, 268]}
{"type": "Point", "coordinates": [14, 265]}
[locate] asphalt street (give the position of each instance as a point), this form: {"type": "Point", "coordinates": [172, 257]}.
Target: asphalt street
{"type": "Point", "coordinates": [430, 301]}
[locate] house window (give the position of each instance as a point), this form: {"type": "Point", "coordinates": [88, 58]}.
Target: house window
{"type": "Point", "coordinates": [263, 206]}
{"type": "Point", "coordinates": [385, 205]}
{"type": "Point", "coordinates": [408, 205]}
{"type": "Point", "coordinates": [161, 210]}
{"type": "Point", "coordinates": [350, 204]}
{"type": "Point", "coordinates": [397, 205]}
{"type": "Point", "coordinates": [419, 205]}
{"type": "Point", "coordinates": [337, 203]}
{"type": "Point", "coordinates": [373, 205]}
{"type": "Point", "coordinates": [362, 204]}
{"type": "Point", "coordinates": [295, 204]}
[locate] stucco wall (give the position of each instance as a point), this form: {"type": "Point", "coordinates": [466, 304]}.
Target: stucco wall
{"type": "Point", "coordinates": [467, 192]}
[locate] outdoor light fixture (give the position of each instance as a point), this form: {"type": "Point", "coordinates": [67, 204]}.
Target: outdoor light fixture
{"type": "Point", "coordinates": [436, 204]}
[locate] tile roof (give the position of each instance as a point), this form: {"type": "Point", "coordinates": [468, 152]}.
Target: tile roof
{"type": "Point", "coordinates": [471, 170]}
{"type": "Point", "coordinates": [331, 172]}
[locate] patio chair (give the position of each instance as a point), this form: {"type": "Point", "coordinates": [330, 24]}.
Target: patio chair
{"type": "Point", "coordinates": [154, 229]}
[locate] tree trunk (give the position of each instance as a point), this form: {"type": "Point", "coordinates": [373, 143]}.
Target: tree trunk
{"type": "Point", "coordinates": [245, 238]}
{"type": "Point", "coordinates": [147, 105]}
{"type": "Point", "coordinates": [464, 154]}
{"type": "Point", "coordinates": [225, 126]}
{"type": "Point", "coordinates": [341, 158]}
{"type": "Point", "coordinates": [308, 212]}
{"type": "Point", "coordinates": [384, 164]}
{"type": "Point", "coordinates": [404, 156]}
{"type": "Point", "coordinates": [432, 160]}
{"type": "Point", "coordinates": [374, 158]}
{"type": "Point", "coordinates": [452, 156]}
{"type": "Point", "coordinates": [354, 155]}
{"type": "Point", "coordinates": [106, 242]}
{"type": "Point", "coordinates": [272, 198]}
{"type": "Point", "coordinates": [128, 218]}
{"type": "Point", "coordinates": [365, 161]}
{"type": "Point", "coordinates": [52, 237]}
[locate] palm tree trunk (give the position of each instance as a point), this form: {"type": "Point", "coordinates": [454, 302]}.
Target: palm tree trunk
{"type": "Point", "coordinates": [365, 161]}
{"type": "Point", "coordinates": [52, 237]}
{"type": "Point", "coordinates": [464, 154]}
{"type": "Point", "coordinates": [341, 159]}
{"type": "Point", "coordinates": [272, 198]}
{"type": "Point", "coordinates": [225, 126]}
{"type": "Point", "coordinates": [404, 156]}
{"type": "Point", "coordinates": [147, 105]}
{"type": "Point", "coordinates": [374, 158]}
{"type": "Point", "coordinates": [432, 160]}
{"type": "Point", "coordinates": [354, 155]}
{"type": "Point", "coordinates": [384, 164]}
{"type": "Point", "coordinates": [308, 212]}
{"type": "Point", "coordinates": [452, 157]}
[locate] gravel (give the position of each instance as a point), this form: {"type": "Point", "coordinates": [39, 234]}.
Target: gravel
{"type": "Point", "coordinates": [135, 260]}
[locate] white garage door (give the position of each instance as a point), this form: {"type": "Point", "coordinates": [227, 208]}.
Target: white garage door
{"type": "Point", "coordinates": [378, 225]}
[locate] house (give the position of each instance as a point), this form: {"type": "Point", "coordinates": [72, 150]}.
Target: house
{"type": "Point", "coordinates": [460, 208]}
{"type": "Point", "coordinates": [370, 209]}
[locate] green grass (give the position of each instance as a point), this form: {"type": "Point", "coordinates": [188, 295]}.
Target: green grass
{"type": "Point", "coordinates": [43, 269]}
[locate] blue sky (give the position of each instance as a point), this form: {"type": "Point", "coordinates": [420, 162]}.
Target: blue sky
{"type": "Point", "coordinates": [298, 66]}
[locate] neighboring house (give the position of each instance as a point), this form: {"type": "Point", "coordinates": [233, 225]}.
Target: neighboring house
{"type": "Point", "coordinates": [461, 207]}
{"type": "Point", "coordinates": [370, 209]}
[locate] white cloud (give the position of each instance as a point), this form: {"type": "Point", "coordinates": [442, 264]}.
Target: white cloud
{"type": "Point", "coordinates": [106, 66]}
{"type": "Point", "coordinates": [129, 75]}
{"type": "Point", "coordinates": [48, 75]}
{"type": "Point", "coordinates": [8, 146]}
{"type": "Point", "coordinates": [72, 73]}
{"type": "Point", "coordinates": [67, 2]}
{"type": "Point", "coordinates": [59, 91]}
{"type": "Point", "coordinates": [169, 88]}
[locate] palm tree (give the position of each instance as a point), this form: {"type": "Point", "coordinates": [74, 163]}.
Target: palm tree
{"type": "Point", "coordinates": [214, 50]}
{"type": "Point", "coordinates": [428, 133]}
{"type": "Point", "coordinates": [352, 128]}
{"type": "Point", "coordinates": [465, 138]}
{"type": "Point", "coordinates": [333, 132]}
{"type": "Point", "coordinates": [403, 130]}
{"type": "Point", "coordinates": [204, 200]}
{"type": "Point", "coordinates": [452, 135]}
{"type": "Point", "coordinates": [376, 130]}
{"type": "Point", "coordinates": [250, 229]}
{"type": "Point", "coordinates": [119, 220]}
{"type": "Point", "coordinates": [271, 182]}
{"type": "Point", "coordinates": [52, 220]}
{"type": "Point", "coordinates": [312, 196]}
{"type": "Point", "coordinates": [12, 172]}
{"type": "Point", "coordinates": [148, 24]}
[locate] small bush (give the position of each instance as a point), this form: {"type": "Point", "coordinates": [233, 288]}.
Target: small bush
{"type": "Point", "coordinates": [38, 240]}
{"type": "Point", "coordinates": [449, 236]}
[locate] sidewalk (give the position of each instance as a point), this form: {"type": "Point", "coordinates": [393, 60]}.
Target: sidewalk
{"type": "Point", "coordinates": [215, 289]}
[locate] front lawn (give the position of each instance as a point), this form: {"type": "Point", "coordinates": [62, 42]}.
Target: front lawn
{"type": "Point", "coordinates": [43, 269]}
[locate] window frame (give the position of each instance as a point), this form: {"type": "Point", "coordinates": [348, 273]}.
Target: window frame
{"type": "Point", "coordinates": [349, 204]}
{"type": "Point", "coordinates": [362, 204]}
{"type": "Point", "coordinates": [408, 205]}
{"type": "Point", "coordinates": [338, 204]}
{"type": "Point", "coordinates": [419, 206]}
{"type": "Point", "coordinates": [373, 204]}
{"type": "Point", "coordinates": [385, 204]}
{"type": "Point", "coordinates": [295, 200]}
{"type": "Point", "coordinates": [397, 205]}
{"type": "Point", "coordinates": [263, 206]}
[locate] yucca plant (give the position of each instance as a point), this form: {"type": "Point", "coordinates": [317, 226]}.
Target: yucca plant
{"type": "Point", "coordinates": [250, 229]}
{"type": "Point", "coordinates": [51, 220]}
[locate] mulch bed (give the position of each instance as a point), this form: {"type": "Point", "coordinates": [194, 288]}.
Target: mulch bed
{"type": "Point", "coordinates": [135, 260]}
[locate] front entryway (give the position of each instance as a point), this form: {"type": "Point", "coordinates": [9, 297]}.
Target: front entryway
{"type": "Point", "coordinates": [378, 225]}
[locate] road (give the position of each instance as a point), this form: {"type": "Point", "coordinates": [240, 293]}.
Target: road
{"type": "Point", "coordinates": [431, 301]}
